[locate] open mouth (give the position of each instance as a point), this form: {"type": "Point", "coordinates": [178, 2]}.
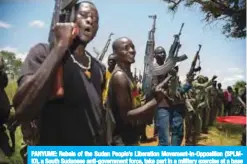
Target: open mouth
{"type": "Point", "coordinates": [87, 30]}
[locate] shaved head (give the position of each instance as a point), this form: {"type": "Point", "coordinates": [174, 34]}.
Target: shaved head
{"type": "Point", "coordinates": [119, 41]}
{"type": "Point", "coordinates": [124, 50]}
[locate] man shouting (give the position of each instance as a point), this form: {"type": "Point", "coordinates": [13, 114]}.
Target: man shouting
{"type": "Point", "coordinates": [76, 118]}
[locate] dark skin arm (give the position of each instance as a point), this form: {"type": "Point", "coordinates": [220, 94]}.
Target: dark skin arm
{"type": "Point", "coordinates": [121, 87]}
{"type": "Point", "coordinates": [35, 89]}
{"type": "Point", "coordinates": [32, 93]}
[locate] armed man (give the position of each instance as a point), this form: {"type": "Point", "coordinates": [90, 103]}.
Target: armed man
{"type": "Point", "coordinates": [200, 86]}
{"type": "Point", "coordinates": [220, 100]}
{"type": "Point", "coordinates": [4, 112]}
{"type": "Point", "coordinates": [190, 101]}
{"type": "Point", "coordinates": [75, 117]}
{"type": "Point", "coordinates": [167, 110]}
{"type": "Point", "coordinates": [160, 57]}
{"type": "Point", "coordinates": [161, 126]}
{"type": "Point", "coordinates": [126, 112]}
{"type": "Point", "coordinates": [111, 65]}
{"type": "Point", "coordinates": [212, 95]}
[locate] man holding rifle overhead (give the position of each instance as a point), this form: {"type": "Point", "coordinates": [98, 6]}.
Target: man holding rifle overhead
{"type": "Point", "coordinates": [76, 116]}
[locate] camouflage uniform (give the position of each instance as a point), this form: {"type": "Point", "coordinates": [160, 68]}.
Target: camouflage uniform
{"type": "Point", "coordinates": [190, 118]}
{"type": "Point", "coordinates": [211, 100]}
{"type": "Point", "coordinates": [201, 111]}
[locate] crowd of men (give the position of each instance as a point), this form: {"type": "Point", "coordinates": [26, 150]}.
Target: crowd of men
{"type": "Point", "coordinates": [99, 106]}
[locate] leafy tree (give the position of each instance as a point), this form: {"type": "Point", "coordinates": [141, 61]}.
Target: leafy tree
{"type": "Point", "coordinates": [12, 64]}
{"type": "Point", "coordinates": [239, 85]}
{"type": "Point", "coordinates": [232, 12]}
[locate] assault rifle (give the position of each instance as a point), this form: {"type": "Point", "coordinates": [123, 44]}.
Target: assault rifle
{"type": "Point", "coordinates": [148, 59]}
{"type": "Point", "coordinates": [193, 65]}
{"type": "Point", "coordinates": [101, 56]}
{"type": "Point", "coordinates": [64, 11]}
{"type": "Point", "coordinates": [172, 59]}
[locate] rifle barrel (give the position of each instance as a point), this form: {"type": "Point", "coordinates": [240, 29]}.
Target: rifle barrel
{"type": "Point", "coordinates": [200, 46]}
{"type": "Point", "coordinates": [180, 31]}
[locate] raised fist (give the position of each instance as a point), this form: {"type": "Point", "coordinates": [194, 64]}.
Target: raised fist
{"type": "Point", "coordinates": [65, 33]}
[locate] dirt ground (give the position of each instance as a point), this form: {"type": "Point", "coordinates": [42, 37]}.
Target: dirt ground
{"type": "Point", "coordinates": [149, 133]}
{"type": "Point", "coordinates": [226, 135]}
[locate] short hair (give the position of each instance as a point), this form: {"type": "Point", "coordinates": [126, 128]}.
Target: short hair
{"type": "Point", "coordinates": [115, 42]}
{"type": "Point", "coordinates": [76, 8]}
{"type": "Point", "coordinates": [77, 5]}
{"type": "Point", "coordinates": [112, 57]}
{"type": "Point", "coordinates": [229, 88]}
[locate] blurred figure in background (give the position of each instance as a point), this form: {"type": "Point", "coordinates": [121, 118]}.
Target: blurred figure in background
{"type": "Point", "coordinates": [228, 99]}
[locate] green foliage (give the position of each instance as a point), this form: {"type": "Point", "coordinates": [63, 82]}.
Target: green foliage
{"type": "Point", "coordinates": [12, 64]}
{"type": "Point", "coordinates": [232, 12]}
{"type": "Point", "coordinates": [239, 85]}
{"type": "Point", "coordinates": [16, 157]}
{"type": "Point", "coordinates": [11, 89]}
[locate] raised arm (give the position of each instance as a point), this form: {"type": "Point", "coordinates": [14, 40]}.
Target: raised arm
{"type": "Point", "coordinates": [36, 82]}
{"type": "Point", "coordinates": [204, 85]}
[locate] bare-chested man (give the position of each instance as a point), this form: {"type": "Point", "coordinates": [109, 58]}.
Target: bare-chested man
{"type": "Point", "coordinates": [122, 95]}
{"type": "Point", "coordinates": [75, 118]}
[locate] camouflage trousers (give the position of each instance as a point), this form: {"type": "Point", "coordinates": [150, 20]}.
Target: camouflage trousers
{"type": "Point", "coordinates": [190, 122]}
{"type": "Point", "coordinates": [204, 115]}
{"type": "Point", "coordinates": [193, 106]}
{"type": "Point", "coordinates": [214, 110]}
{"type": "Point", "coordinates": [220, 107]}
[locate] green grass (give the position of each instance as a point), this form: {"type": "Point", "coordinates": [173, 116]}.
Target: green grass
{"type": "Point", "coordinates": [227, 135]}
{"type": "Point", "coordinates": [16, 157]}
{"type": "Point", "coordinates": [223, 135]}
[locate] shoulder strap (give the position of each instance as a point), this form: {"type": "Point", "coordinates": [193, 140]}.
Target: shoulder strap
{"type": "Point", "coordinates": [102, 67]}
{"type": "Point", "coordinates": [95, 115]}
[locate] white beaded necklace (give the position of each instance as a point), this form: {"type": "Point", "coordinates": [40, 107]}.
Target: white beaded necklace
{"type": "Point", "coordinates": [79, 64]}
